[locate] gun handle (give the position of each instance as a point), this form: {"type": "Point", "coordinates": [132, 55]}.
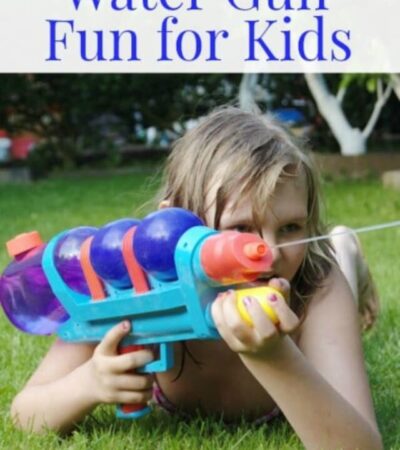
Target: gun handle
{"type": "Point", "coordinates": [132, 411]}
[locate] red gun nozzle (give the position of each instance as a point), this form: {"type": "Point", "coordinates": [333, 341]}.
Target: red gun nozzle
{"type": "Point", "coordinates": [255, 251]}
{"type": "Point", "coordinates": [232, 257]}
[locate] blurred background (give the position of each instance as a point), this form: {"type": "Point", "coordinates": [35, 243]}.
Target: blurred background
{"type": "Point", "coordinates": [58, 122]}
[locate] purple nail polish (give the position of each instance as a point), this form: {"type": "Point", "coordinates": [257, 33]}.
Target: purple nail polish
{"type": "Point", "coordinates": [247, 301]}
{"type": "Point", "coordinates": [273, 298]}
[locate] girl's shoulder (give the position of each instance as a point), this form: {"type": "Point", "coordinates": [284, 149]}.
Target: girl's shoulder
{"type": "Point", "coordinates": [331, 305]}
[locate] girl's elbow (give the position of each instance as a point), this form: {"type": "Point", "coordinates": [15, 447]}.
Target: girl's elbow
{"type": "Point", "coordinates": [20, 416]}
{"type": "Point", "coordinates": [16, 412]}
{"type": "Point", "coordinates": [378, 440]}
{"type": "Point", "coordinates": [372, 442]}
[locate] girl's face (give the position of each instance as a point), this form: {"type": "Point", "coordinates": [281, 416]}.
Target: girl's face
{"type": "Point", "coordinates": [285, 220]}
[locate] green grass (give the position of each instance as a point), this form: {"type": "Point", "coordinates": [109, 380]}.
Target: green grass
{"type": "Point", "coordinates": [56, 204]}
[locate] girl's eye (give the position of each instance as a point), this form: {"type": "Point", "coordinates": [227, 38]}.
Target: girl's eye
{"type": "Point", "coordinates": [290, 228]}
{"type": "Point", "coordinates": [243, 228]}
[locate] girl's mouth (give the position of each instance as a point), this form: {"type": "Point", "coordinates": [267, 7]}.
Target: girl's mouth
{"type": "Point", "coordinates": [261, 281]}
{"type": "Point", "coordinates": [266, 277]}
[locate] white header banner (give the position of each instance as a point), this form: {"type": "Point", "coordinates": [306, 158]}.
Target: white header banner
{"type": "Point", "coordinates": [200, 36]}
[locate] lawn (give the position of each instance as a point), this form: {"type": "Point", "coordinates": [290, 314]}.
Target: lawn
{"type": "Point", "coordinates": [56, 204]}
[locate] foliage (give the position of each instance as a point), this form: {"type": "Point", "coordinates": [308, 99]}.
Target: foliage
{"type": "Point", "coordinates": [360, 98]}
{"type": "Point", "coordinates": [65, 104]}
{"type": "Point", "coordinates": [77, 113]}
{"type": "Point", "coordinates": [364, 80]}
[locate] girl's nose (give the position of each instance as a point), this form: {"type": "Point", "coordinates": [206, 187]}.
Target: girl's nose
{"type": "Point", "coordinates": [276, 253]}
{"type": "Point", "coordinates": [272, 245]}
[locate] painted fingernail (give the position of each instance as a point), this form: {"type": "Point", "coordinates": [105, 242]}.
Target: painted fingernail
{"type": "Point", "coordinates": [247, 301]}
{"type": "Point", "coordinates": [273, 298]}
{"type": "Point", "coordinates": [125, 325]}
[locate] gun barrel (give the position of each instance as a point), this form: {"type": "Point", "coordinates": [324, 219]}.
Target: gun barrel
{"type": "Point", "coordinates": [232, 257]}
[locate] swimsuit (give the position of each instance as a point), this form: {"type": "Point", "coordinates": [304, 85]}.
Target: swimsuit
{"type": "Point", "coordinates": [162, 401]}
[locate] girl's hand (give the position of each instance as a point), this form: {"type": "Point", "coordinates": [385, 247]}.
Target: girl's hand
{"type": "Point", "coordinates": [113, 377]}
{"type": "Point", "coordinates": [263, 337]}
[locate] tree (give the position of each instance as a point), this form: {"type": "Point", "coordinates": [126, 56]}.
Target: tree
{"type": "Point", "coordinates": [352, 140]}
{"type": "Point", "coordinates": [395, 79]}
{"type": "Point", "coordinates": [251, 92]}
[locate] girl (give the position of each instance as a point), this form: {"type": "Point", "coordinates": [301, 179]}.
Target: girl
{"type": "Point", "coordinates": [240, 171]}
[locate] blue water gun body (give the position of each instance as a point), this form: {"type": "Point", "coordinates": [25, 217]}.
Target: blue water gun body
{"type": "Point", "coordinates": [176, 267]}
{"type": "Point", "coordinates": [169, 311]}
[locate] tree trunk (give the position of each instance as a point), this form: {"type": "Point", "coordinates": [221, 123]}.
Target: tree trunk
{"type": "Point", "coordinates": [247, 100]}
{"type": "Point", "coordinates": [251, 92]}
{"type": "Point", "coordinates": [351, 140]}
{"type": "Point", "coordinates": [395, 79]}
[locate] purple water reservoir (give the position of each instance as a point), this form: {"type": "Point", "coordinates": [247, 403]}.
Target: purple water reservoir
{"type": "Point", "coordinates": [156, 238]}
{"type": "Point", "coordinates": [25, 293]}
{"type": "Point", "coordinates": [106, 253]}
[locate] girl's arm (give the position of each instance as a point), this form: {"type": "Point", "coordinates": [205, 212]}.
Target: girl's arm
{"type": "Point", "coordinates": [58, 394]}
{"type": "Point", "coordinates": [321, 387]}
{"type": "Point", "coordinates": [73, 379]}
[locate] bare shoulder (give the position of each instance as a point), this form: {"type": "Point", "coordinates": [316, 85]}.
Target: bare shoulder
{"type": "Point", "coordinates": [332, 302]}
{"type": "Point", "coordinates": [331, 319]}
{"type": "Point", "coordinates": [330, 338]}
{"type": "Point", "coordinates": [61, 359]}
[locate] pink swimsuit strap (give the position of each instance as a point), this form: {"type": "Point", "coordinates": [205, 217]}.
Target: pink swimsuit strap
{"type": "Point", "coordinates": [161, 400]}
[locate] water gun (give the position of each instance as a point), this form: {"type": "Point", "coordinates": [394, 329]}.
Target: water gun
{"type": "Point", "coordinates": [161, 273]}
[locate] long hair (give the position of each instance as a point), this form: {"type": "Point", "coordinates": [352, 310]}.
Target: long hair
{"type": "Point", "coordinates": [247, 154]}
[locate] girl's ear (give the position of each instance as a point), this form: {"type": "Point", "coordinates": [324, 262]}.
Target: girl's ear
{"type": "Point", "coordinates": [164, 204]}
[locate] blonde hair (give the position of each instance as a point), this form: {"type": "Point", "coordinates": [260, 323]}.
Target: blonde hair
{"type": "Point", "coordinates": [255, 154]}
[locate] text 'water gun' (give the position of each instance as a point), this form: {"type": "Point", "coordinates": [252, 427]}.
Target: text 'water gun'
{"type": "Point", "coordinates": [161, 273]}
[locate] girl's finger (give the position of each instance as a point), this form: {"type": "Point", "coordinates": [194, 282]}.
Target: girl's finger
{"type": "Point", "coordinates": [234, 321]}
{"type": "Point", "coordinates": [288, 321]}
{"type": "Point", "coordinates": [282, 285]}
{"type": "Point", "coordinates": [133, 397]}
{"type": "Point", "coordinates": [217, 312]}
{"type": "Point", "coordinates": [109, 344]}
{"type": "Point", "coordinates": [132, 382]}
{"type": "Point", "coordinates": [130, 361]}
{"type": "Point", "coordinates": [261, 321]}
{"type": "Point", "coordinates": [258, 294]}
